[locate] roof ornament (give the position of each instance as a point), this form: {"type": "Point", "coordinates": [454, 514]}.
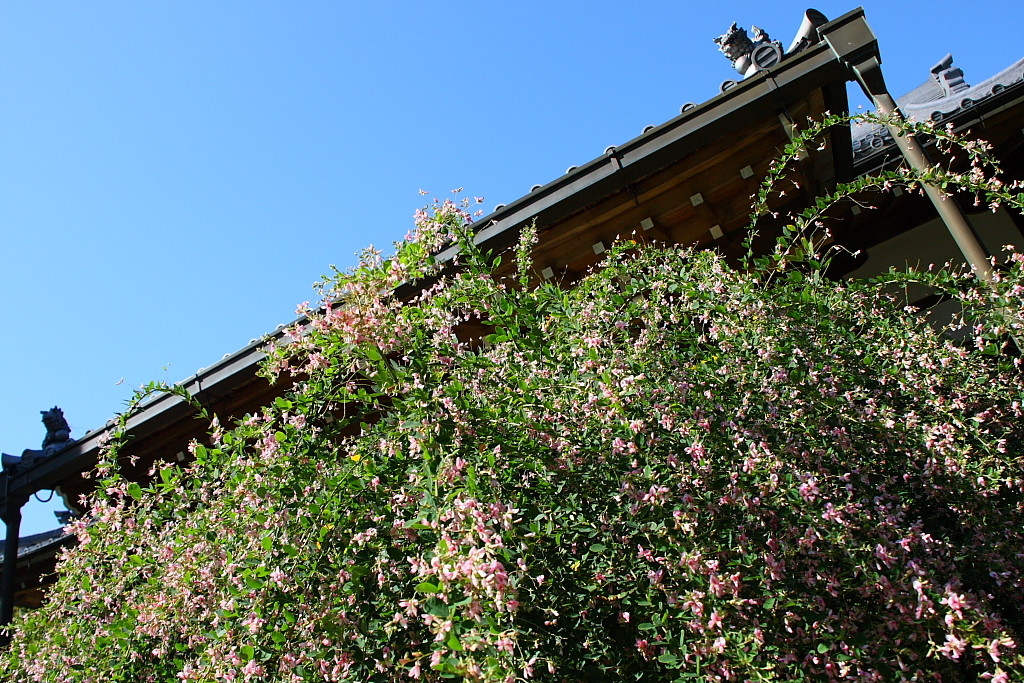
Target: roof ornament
{"type": "Point", "coordinates": [950, 78]}
{"type": "Point", "coordinates": [749, 56]}
{"type": "Point", "coordinates": [58, 436]}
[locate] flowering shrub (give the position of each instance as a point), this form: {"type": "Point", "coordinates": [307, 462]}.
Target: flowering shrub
{"type": "Point", "coordinates": [675, 470]}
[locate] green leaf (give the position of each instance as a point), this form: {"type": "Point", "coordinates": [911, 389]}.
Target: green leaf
{"type": "Point", "coordinates": [668, 658]}
{"type": "Point", "coordinates": [453, 643]}
{"type": "Point", "coordinates": [769, 603]}
{"type": "Point", "coordinates": [280, 436]}
{"type": "Point", "coordinates": [248, 651]}
{"type": "Point", "coordinates": [822, 648]}
{"type": "Point", "coordinates": [598, 548]}
{"type": "Point", "coordinates": [137, 559]}
{"type": "Point", "coordinates": [427, 587]}
{"type": "Point", "coordinates": [135, 491]}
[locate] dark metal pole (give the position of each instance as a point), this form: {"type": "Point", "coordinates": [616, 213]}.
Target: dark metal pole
{"type": "Point", "coordinates": [854, 44]}
{"type": "Point", "coordinates": [947, 208]}
{"type": "Point", "coordinates": [12, 517]}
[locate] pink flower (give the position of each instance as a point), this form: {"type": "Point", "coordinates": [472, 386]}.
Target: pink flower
{"type": "Point", "coordinates": [954, 646]}
{"type": "Point", "coordinates": [252, 669]}
{"type": "Point", "coordinates": [809, 489]}
{"type": "Point", "coordinates": [288, 662]}
{"type": "Point", "coordinates": [954, 601]}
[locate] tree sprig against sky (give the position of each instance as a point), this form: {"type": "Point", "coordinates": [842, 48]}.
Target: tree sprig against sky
{"type": "Point", "coordinates": [674, 470]}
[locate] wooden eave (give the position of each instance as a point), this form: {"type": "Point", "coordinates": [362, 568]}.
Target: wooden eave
{"type": "Point", "coordinates": [685, 200]}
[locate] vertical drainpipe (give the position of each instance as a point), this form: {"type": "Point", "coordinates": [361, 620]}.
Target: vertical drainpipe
{"type": "Point", "coordinates": [11, 514]}
{"type": "Point", "coordinates": [854, 44]}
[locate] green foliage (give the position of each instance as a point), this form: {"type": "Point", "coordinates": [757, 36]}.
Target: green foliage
{"type": "Point", "coordinates": [675, 470]}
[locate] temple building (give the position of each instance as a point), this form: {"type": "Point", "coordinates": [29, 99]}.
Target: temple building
{"type": "Point", "coordinates": [687, 181]}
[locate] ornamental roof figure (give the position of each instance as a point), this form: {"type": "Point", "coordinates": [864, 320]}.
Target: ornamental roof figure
{"type": "Point", "coordinates": [749, 56]}
{"type": "Point", "coordinates": [737, 46]}
{"type": "Point", "coordinates": [58, 436]}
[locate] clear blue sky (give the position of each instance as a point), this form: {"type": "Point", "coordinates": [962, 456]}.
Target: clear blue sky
{"type": "Point", "coordinates": [174, 176]}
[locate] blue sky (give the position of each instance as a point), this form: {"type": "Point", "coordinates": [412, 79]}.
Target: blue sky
{"type": "Point", "coordinates": [175, 176]}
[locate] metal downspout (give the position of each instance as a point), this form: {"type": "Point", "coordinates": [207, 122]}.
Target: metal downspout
{"type": "Point", "coordinates": [949, 211]}
{"type": "Point", "coordinates": [867, 67]}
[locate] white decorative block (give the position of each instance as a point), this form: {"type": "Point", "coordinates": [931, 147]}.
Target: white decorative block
{"type": "Point", "coordinates": [647, 224]}
{"type": "Point", "coordinates": [598, 248]}
{"type": "Point", "coordinates": [696, 199]}
{"type": "Point", "coordinates": [547, 273]}
{"type": "Point", "coordinates": [855, 210]}
{"type": "Point", "coordinates": [716, 232]}
{"type": "Point", "coordinates": [898, 191]}
{"type": "Point", "coordinates": [746, 172]}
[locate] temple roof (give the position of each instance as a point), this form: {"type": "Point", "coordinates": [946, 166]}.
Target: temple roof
{"type": "Point", "coordinates": [38, 543]}
{"type": "Point", "coordinates": [945, 95]}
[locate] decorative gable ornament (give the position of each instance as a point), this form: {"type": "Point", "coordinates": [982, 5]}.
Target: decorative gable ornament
{"type": "Point", "coordinates": [58, 436]}
{"type": "Point", "coordinates": [749, 56]}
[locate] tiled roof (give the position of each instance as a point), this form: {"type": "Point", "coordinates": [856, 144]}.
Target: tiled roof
{"type": "Point", "coordinates": [943, 96]}
{"type": "Point", "coordinates": [29, 545]}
